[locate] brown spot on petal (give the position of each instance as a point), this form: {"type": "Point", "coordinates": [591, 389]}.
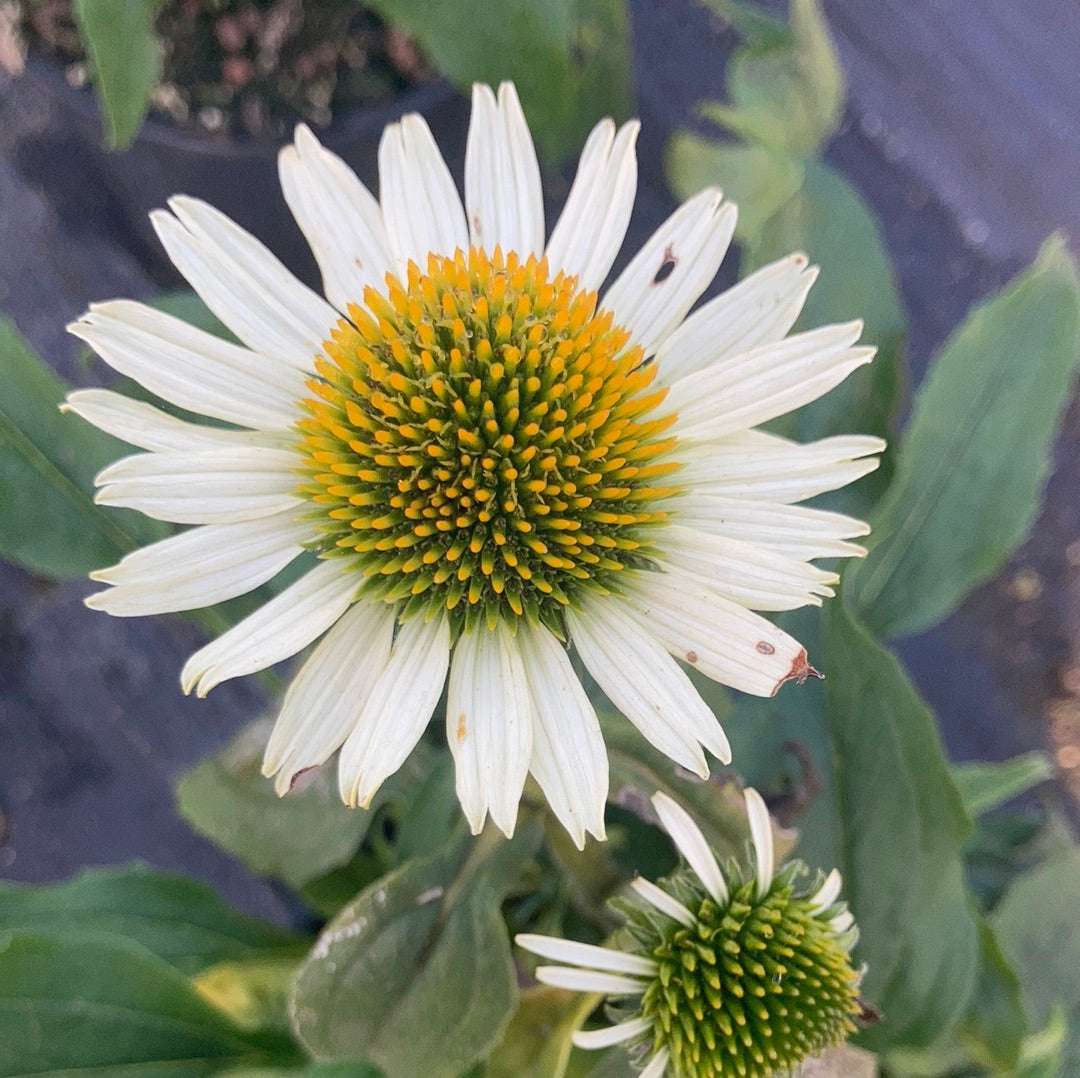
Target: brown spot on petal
{"type": "Point", "coordinates": [799, 672]}
{"type": "Point", "coordinates": [461, 727]}
{"type": "Point", "coordinates": [765, 647]}
{"type": "Point", "coordinates": [477, 229]}
{"type": "Point", "coordinates": [691, 656]}
{"type": "Point", "coordinates": [666, 267]}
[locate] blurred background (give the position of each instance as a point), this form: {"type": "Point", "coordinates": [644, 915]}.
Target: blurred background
{"type": "Point", "coordinates": [950, 151]}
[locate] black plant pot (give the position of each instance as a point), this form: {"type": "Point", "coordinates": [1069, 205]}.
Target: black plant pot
{"type": "Point", "coordinates": [239, 178]}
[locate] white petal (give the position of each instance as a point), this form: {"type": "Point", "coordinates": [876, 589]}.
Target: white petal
{"type": "Point", "coordinates": [569, 760]}
{"type": "Point", "coordinates": [828, 893]}
{"type": "Point", "coordinates": [592, 225]}
{"type": "Point", "coordinates": [339, 217]}
{"type": "Point", "coordinates": [652, 295]}
{"type": "Point", "coordinates": [141, 424]}
{"type": "Point", "coordinates": [792, 530]}
{"type": "Point", "coordinates": [503, 198]}
{"type": "Point", "coordinates": [756, 578]}
{"type": "Point", "coordinates": [645, 683]}
{"type": "Point", "coordinates": [757, 311]}
{"type": "Point", "coordinates": [210, 486]}
{"type": "Point", "coordinates": [201, 567]}
{"type": "Point", "coordinates": [420, 204]}
{"type": "Point", "coordinates": [723, 640]}
{"type": "Point", "coordinates": [762, 833]}
{"type": "Point", "coordinates": [489, 726]}
{"type": "Point", "coordinates": [398, 709]}
{"type": "Point", "coordinates": [757, 386]}
{"type": "Point", "coordinates": [191, 368]}
{"type": "Point", "coordinates": [586, 980]}
{"type": "Point", "coordinates": [692, 844]}
{"type": "Point", "coordinates": [244, 284]}
{"type": "Point", "coordinates": [610, 1035]}
{"type": "Point", "coordinates": [585, 954]}
{"type": "Point", "coordinates": [842, 921]}
{"type": "Point", "coordinates": [324, 700]}
{"type": "Point", "coordinates": [278, 629]}
{"type": "Point", "coordinates": [661, 900]}
{"type": "Point", "coordinates": [657, 1065]}
{"type": "Point", "coordinates": [763, 467]}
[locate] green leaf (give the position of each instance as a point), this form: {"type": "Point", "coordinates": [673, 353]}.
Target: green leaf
{"type": "Point", "coordinates": [296, 838]}
{"type": "Point", "coordinates": [126, 57]}
{"type": "Point", "coordinates": [48, 461]}
{"type": "Point", "coordinates": [984, 786]}
{"type": "Point", "coordinates": [100, 1005]}
{"type": "Point", "coordinates": [995, 1026]}
{"type": "Point", "coordinates": [904, 833]}
{"type": "Point", "coordinates": [1035, 924]}
{"type": "Point", "coordinates": [786, 94]}
{"type": "Point", "coordinates": [416, 974]}
{"type": "Point", "coordinates": [976, 453]}
{"type": "Point", "coordinates": [181, 921]}
{"type": "Point", "coordinates": [570, 59]}
{"type": "Point", "coordinates": [536, 1043]}
{"type": "Point", "coordinates": [758, 179]}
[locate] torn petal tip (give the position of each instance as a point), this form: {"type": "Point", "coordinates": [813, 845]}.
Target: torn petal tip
{"type": "Point", "coordinates": [799, 672]}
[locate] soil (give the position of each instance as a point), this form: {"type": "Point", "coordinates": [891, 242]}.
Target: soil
{"type": "Point", "coordinates": [251, 69]}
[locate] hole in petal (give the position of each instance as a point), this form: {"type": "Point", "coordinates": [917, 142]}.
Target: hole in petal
{"type": "Point", "coordinates": [667, 266]}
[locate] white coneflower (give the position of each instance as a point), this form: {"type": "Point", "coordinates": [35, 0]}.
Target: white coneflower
{"type": "Point", "coordinates": [723, 973]}
{"type": "Point", "coordinates": [489, 461]}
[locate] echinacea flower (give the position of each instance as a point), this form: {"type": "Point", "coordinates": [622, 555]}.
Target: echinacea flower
{"type": "Point", "coordinates": [722, 972]}
{"type": "Point", "coordinates": [489, 461]}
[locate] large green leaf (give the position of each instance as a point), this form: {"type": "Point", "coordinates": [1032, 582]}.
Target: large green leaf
{"type": "Point", "coordinates": [984, 786]}
{"type": "Point", "coordinates": [570, 59]}
{"type": "Point", "coordinates": [1035, 924]}
{"type": "Point", "coordinates": [787, 92]}
{"type": "Point", "coordinates": [178, 919]}
{"type": "Point", "coordinates": [416, 974]}
{"type": "Point", "coordinates": [107, 1007]}
{"type": "Point", "coordinates": [976, 453]}
{"type": "Point", "coordinates": [995, 1026]}
{"type": "Point", "coordinates": [904, 833]}
{"type": "Point", "coordinates": [298, 837]}
{"type": "Point", "coordinates": [126, 57]}
{"type": "Point", "coordinates": [48, 461]}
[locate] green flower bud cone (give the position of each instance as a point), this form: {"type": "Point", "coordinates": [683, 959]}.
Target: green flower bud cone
{"type": "Point", "coordinates": [752, 988]}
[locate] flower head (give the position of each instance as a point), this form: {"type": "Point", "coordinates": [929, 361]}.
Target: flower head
{"type": "Point", "coordinates": [741, 972]}
{"type": "Point", "coordinates": [490, 459]}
